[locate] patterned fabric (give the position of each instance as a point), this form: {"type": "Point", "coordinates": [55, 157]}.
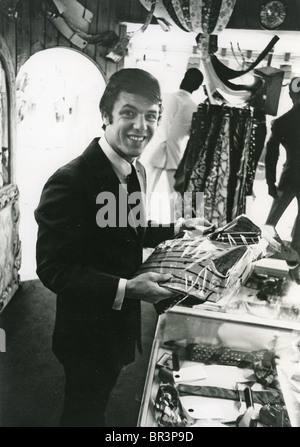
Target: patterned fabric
{"type": "Point", "coordinates": [258, 137]}
{"type": "Point", "coordinates": [217, 179]}
{"type": "Point", "coordinates": [263, 397]}
{"type": "Point", "coordinates": [214, 15]}
{"type": "Point", "coordinates": [181, 8]}
{"type": "Point", "coordinates": [200, 268]}
{"type": "Point", "coordinates": [10, 251]}
{"type": "Point", "coordinates": [225, 12]}
{"type": "Point", "coordinates": [167, 408]}
{"type": "Point", "coordinates": [221, 159]}
{"type": "Point", "coordinates": [194, 146]}
{"type": "Point", "coordinates": [206, 6]}
{"type": "Point", "coordinates": [196, 15]}
{"type": "Point", "coordinates": [199, 16]}
{"type": "Point", "coordinates": [236, 148]}
{"type": "Point", "coordinates": [168, 4]}
{"type": "Point", "coordinates": [240, 231]}
{"type": "Point", "coordinates": [206, 118]}
{"type": "Point", "coordinates": [239, 201]}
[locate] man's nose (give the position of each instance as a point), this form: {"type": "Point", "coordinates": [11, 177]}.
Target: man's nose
{"type": "Point", "coordinates": [140, 122]}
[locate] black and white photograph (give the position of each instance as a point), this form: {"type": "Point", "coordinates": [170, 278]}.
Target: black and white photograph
{"type": "Point", "coordinates": [150, 216]}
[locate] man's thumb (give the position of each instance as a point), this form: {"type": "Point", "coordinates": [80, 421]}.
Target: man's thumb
{"type": "Point", "coordinates": [163, 277]}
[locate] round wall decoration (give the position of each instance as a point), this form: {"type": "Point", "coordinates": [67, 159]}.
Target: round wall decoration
{"type": "Point", "coordinates": [273, 14]}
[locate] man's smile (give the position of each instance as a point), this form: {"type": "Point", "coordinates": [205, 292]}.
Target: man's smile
{"type": "Point", "coordinates": [137, 138]}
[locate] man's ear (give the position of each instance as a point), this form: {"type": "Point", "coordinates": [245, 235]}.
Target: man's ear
{"type": "Point", "coordinates": [105, 119]}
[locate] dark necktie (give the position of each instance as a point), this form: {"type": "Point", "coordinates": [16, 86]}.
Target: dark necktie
{"type": "Point", "coordinates": [133, 184]}
{"type": "Point", "coordinates": [270, 396]}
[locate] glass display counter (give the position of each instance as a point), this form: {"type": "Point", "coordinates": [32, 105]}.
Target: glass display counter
{"type": "Point", "coordinates": [218, 369]}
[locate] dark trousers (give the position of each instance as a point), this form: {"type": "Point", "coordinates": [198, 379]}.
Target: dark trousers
{"type": "Point", "coordinates": [278, 208]}
{"type": "Point", "coordinates": [88, 383]}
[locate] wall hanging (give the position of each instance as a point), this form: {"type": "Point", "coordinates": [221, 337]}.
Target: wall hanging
{"type": "Point", "coordinates": [207, 19]}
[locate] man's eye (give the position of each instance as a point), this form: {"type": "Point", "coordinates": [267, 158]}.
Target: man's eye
{"type": "Point", "coordinates": [152, 117]}
{"type": "Point", "coordinates": [128, 114]}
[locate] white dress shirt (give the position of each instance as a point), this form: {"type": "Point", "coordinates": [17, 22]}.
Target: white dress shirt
{"type": "Point", "coordinates": [122, 169]}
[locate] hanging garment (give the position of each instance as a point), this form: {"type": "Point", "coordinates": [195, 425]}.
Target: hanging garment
{"type": "Point", "coordinates": [239, 201]}
{"type": "Point", "coordinates": [216, 185]}
{"type": "Point", "coordinates": [220, 159]}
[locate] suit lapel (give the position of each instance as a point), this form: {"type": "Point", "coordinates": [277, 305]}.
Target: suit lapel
{"type": "Point", "coordinates": [107, 180]}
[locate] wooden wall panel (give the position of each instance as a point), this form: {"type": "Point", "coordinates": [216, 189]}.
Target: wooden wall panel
{"type": "Point", "coordinates": [64, 42]}
{"type": "Point", "coordinates": [111, 66]}
{"type": "Point", "coordinates": [37, 27]}
{"type": "Point", "coordinates": [9, 32]}
{"type": "Point", "coordinates": [23, 34]}
{"type": "Point", "coordinates": [33, 32]}
{"type": "Point", "coordinates": [51, 35]}
{"type": "Point", "coordinates": [102, 25]}
{"type": "Point", "coordinates": [92, 6]}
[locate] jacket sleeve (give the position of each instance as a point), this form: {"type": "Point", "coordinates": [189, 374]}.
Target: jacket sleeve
{"type": "Point", "coordinates": [62, 263]}
{"type": "Point", "coordinates": [272, 154]}
{"type": "Point", "coordinates": [155, 234]}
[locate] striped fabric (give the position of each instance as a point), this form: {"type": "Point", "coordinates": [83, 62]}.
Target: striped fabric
{"type": "Point", "coordinates": [200, 268]}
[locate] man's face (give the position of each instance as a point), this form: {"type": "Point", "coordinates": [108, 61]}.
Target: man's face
{"type": "Point", "coordinates": [134, 121]}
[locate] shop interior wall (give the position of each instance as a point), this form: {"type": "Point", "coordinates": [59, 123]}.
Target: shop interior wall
{"type": "Point", "coordinates": [31, 31]}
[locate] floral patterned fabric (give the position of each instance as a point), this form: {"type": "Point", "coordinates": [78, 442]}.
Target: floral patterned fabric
{"type": "Point", "coordinates": [200, 16]}
{"type": "Point", "coordinates": [207, 144]}
{"type": "Point", "coordinates": [206, 6]}
{"type": "Point", "coordinates": [224, 15]}
{"type": "Point", "coordinates": [217, 180]}
{"type": "Point", "coordinates": [168, 4]}
{"type": "Point", "coordinates": [181, 8]}
{"type": "Point", "coordinates": [215, 10]}
{"type": "Point", "coordinates": [196, 15]}
{"type": "Point", "coordinates": [10, 247]}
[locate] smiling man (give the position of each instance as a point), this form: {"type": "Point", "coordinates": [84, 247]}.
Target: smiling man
{"type": "Point", "coordinates": [131, 124]}
{"type": "Point", "coordinates": [92, 267]}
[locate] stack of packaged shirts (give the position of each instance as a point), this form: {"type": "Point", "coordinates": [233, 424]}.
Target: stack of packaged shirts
{"type": "Point", "coordinates": [205, 268]}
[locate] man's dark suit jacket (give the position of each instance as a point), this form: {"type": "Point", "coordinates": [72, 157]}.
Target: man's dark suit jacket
{"type": "Point", "coordinates": [285, 131]}
{"type": "Point", "coordinates": [82, 263]}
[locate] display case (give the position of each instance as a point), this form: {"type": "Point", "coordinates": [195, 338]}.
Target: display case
{"type": "Point", "coordinates": [197, 353]}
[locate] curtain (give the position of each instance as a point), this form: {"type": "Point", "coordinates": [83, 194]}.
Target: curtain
{"type": "Point", "coordinates": [220, 159]}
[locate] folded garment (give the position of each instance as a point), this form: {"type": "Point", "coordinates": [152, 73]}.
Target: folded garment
{"type": "Point", "coordinates": [209, 267]}
{"type": "Point", "coordinates": [200, 268]}
{"type": "Point", "coordinates": [241, 231]}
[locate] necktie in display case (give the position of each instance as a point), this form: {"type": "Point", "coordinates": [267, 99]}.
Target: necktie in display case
{"type": "Point", "coordinates": [216, 369]}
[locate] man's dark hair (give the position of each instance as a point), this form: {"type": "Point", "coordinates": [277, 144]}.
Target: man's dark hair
{"type": "Point", "coordinates": [192, 80]}
{"type": "Point", "coordinates": [130, 80]}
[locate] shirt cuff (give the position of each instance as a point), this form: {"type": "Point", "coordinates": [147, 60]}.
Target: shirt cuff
{"type": "Point", "coordinates": [292, 264]}
{"type": "Point", "coordinates": [120, 294]}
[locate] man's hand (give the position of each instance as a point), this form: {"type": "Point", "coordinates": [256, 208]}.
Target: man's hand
{"type": "Point", "coordinates": [198, 225]}
{"type": "Point", "coordinates": [146, 287]}
{"type": "Point", "coordinates": [272, 191]}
